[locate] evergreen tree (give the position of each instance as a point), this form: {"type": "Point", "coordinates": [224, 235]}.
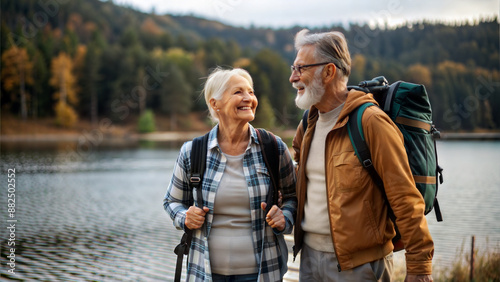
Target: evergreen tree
{"type": "Point", "coordinates": [358, 69]}
{"type": "Point", "coordinates": [264, 116]}
{"type": "Point", "coordinates": [146, 122]}
{"type": "Point", "coordinates": [89, 83]}
{"type": "Point", "coordinates": [175, 96]}
{"type": "Point", "coordinates": [41, 94]}
{"type": "Point", "coordinates": [271, 76]}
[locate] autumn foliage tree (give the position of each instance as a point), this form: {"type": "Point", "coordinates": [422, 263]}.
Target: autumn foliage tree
{"type": "Point", "coordinates": [419, 73]}
{"type": "Point", "coordinates": [17, 72]}
{"type": "Point", "coordinates": [63, 81]}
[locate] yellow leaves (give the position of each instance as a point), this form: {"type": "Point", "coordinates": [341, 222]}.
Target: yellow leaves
{"type": "Point", "coordinates": [157, 53]}
{"type": "Point", "coordinates": [419, 74]}
{"type": "Point", "coordinates": [242, 63]}
{"type": "Point", "coordinates": [63, 79]}
{"type": "Point", "coordinates": [449, 66]}
{"type": "Point", "coordinates": [178, 54]}
{"type": "Point", "coordinates": [74, 22]}
{"type": "Point", "coordinates": [359, 62]}
{"type": "Point", "coordinates": [358, 69]}
{"type": "Point", "coordinates": [17, 72]}
{"type": "Point", "coordinates": [65, 115]}
{"type": "Point", "coordinates": [81, 52]}
{"type": "Point", "coordinates": [150, 26]}
{"type": "Point", "coordinates": [17, 69]}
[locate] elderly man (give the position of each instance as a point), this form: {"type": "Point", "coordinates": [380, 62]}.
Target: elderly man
{"type": "Point", "coordinates": [342, 225]}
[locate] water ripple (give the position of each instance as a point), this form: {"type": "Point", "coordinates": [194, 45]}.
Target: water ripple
{"type": "Point", "coordinates": [101, 219]}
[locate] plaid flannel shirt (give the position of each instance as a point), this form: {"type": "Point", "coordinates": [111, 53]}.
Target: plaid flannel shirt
{"type": "Point", "coordinates": [179, 197]}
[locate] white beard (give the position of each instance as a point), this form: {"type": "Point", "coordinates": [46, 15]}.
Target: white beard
{"type": "Point", "coordinates": [312, 93]}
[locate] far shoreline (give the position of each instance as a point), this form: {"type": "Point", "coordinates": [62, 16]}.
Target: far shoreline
{"type": "Point", "coordinates": [182, 136]}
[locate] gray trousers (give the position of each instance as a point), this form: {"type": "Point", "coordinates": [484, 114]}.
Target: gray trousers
{"type": "Point", "coordinates": [322, 267]}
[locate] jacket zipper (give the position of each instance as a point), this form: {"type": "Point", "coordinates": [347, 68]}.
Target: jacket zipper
{"type": "Point", "coordinates": [328, 203]}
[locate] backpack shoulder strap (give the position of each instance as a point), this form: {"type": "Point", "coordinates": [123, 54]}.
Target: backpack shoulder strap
{"type": "Point", "coordinates": [198, 163]}
{"type": "Point", "coordinates": [355, 130]}
{"type": "Point", "coordinates": [270, 154]}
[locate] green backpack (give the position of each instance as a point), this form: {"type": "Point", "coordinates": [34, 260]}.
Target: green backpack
{"type": "Point", "coordinates": [408, 105]}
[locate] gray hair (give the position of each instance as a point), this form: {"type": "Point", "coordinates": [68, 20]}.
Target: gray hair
{"type": "Point", "coordinates": [217, 84]}
{"type": "Point", "coordinates": [330, 47]}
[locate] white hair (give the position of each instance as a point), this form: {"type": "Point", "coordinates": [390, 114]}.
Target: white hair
{"type": "Point", "coordinates": [217, 84]}
{"type": "Point", "coordinates": [314, 92]}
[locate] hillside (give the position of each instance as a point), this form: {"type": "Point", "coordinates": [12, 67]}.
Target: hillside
{"type": "Point", "coordinates": [122, 62]}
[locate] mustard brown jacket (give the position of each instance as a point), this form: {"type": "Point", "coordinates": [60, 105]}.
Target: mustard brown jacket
{"type": "Point", "coordinates": [360, 228]}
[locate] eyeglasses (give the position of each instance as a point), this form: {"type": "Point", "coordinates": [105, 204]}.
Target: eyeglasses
{"type": "Point", "coordinates": [299, 68]}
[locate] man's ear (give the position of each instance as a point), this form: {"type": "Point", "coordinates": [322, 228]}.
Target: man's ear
{"type": "Point", "coordinates": [329, 73]}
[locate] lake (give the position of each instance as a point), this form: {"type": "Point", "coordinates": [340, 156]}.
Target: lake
{"type": "Point", "coordinates": [97, 214]}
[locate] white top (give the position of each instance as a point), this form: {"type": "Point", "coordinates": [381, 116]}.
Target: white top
{"type": "Point", "coordinates": [316, 222]}
{"type": "Point", "coordinates": [230, 241]}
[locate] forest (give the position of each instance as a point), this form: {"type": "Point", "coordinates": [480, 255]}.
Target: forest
{"type": "Point", "coordinates": [89, 60]}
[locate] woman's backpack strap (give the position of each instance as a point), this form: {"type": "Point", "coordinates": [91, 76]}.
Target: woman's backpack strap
{"type": "Point", "coordinates": [270, 154]}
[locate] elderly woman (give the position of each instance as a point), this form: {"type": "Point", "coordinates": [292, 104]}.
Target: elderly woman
{"type": "Point", "coordinates": [238, 240]}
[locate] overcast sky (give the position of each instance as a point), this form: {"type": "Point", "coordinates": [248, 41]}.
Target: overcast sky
{"type": "Point", "coordinates": [311, 13]}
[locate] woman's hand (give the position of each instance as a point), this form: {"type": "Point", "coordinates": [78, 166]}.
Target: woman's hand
{"type": "Point", "coordinates": [195, 217]}
{"type": "Point", "coordinates": [274, 217]}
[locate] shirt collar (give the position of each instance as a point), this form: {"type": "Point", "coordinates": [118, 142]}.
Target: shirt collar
{"type": "Point", "coordinates": [213, 142]}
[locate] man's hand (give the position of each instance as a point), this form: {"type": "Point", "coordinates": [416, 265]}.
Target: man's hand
{"type": "Point", "coordinates": [418, 278]}
{"type": "Point", "coordinates": [274, 217]}
{"type": "Point", "coordinates": [195, 217]}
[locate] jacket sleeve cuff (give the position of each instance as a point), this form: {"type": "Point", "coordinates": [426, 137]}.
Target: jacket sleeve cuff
{"type": "Point", "coordinates": [179, 222]}
{"type": "Point", "coordinates": [419, 267]}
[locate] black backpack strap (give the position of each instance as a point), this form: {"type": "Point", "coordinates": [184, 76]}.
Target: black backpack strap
{"type": "Point", "coordinates": [198, 163]}
{"type": "Point", "coordinates": [439, 171]}
{"type": "Point", "coordinates": [180, 250]}
{"type": "Point", "coordinates": [270, 154]}
{"type": "Point", "coordinates": [390, 96]}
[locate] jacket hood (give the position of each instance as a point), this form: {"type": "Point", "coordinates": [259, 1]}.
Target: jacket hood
{"type": "Point", "coordinates": [355, 99]}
